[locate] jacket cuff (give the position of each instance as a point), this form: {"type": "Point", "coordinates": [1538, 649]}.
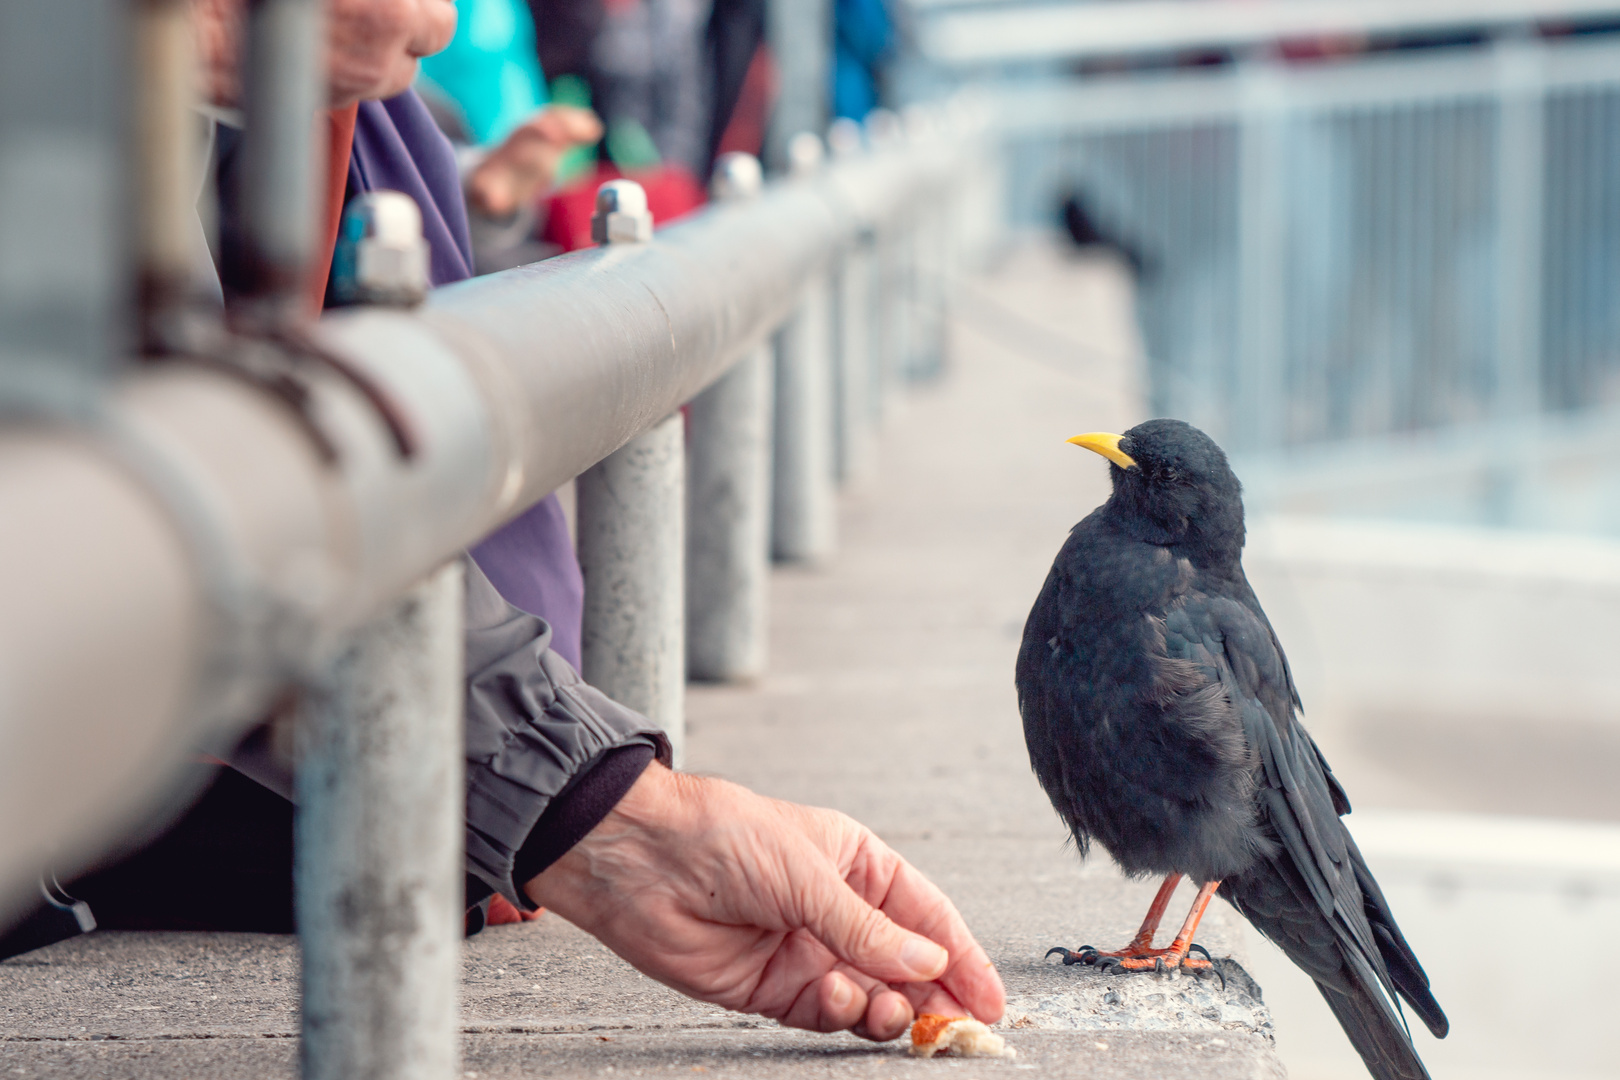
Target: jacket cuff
{"type": "Point", "coordinates": [554, 729]}
{"type": "Point", "coordinates": [580, 809]}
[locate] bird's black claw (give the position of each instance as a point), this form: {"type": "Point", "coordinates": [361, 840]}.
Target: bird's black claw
{"type": "Point", "coordinates": [1109, 965]}
{"type": "Point", "coordinates": [1197, 948]}
{"type": "Point", "coordinates": [1084, 956]}
{"type": "Point", "coordinates": [1158, 966]}
{"type": "Point", "coordinates": [1215, 966]}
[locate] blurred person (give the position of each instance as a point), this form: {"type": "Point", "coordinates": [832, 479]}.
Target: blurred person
{"type": "Point", "coordinates": [757, 905]}
{"type": "Point", "coordinates": [642, 65]}
{"type": "Point", "coordinates": [652, 77]}
{"type": "Point", "coordinates": [488, 92]}
{"type": "Point", "coordinates": [863, 43]}
{"type": "Point", "coordinates": [742, 78]}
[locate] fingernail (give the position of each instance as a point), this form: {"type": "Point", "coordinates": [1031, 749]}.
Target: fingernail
{"type": "Point", "coordinates": [925, 959]}
{"type": "Point", "coordinates": [842, 992]}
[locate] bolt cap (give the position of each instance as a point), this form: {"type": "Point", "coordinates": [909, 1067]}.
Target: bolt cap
{"type": "Point", "coordinates": [381, 257]}
{"type": "Point", "coordinates": [805, 153]}
{"type": "Point", "coordinates": [883, 127]}
{"type": "Point", "coordinates": [736, 176]}
{"type": "Point", "coordinates": [845, 137]}
{"type": "Point", "coordinates": [621, 214]}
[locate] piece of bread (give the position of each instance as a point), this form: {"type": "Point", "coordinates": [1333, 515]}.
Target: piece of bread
{"type": "Point", "coordinates": [967, 1037]}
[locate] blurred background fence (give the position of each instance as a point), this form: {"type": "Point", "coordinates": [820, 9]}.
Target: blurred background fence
{"type": "Point", "coordinates": [1361, 250]}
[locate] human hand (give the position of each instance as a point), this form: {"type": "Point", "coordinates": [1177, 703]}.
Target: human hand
{"type": "Point", "coordinates": [524, 165]}
{"type": "Point", "coordinates": [372, 45]}
{"type": "Point", "coordinates": [762, 906]}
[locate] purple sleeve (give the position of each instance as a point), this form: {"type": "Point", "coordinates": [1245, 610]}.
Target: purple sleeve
{"type": "Point", "coordinates": [397, 147]}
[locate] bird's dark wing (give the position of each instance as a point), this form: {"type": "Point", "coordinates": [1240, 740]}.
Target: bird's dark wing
{"type": "Point", "coordinates": [1313, 896]}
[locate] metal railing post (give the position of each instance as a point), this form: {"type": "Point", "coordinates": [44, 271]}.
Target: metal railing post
{"type": "Point", "coordinates": [1520, 218]}
{"type": "Point", "coordinates": [378, 845]}
{"type": "Point", "coordinates": [283, 89]}
{"type": "Point", "coordinates": [1521, 161]}
{"type": "Point", "coordinates": [728, 512]}
{"type": "Point", "coordinates": [65, 80]}
{"type": "Point", "coordinates": [889, 345]}
{"type": "Point", "coordinates": [804, 513]}
{"type": "Point", "coordinates": [800, 35]}
{"type": "Point", "coordinates": [1252, 413]}
{"type": "Point", "coordinates": [632, 539]}
{"type": "Point", "coordinates": [853, 285]}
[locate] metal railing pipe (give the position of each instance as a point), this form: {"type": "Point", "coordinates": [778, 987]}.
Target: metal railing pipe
{"type": "Point", "coordinates": [282, 91]}
{"type": "Point", "coordinates": [65, 274]}
{"type": "Point", "coordinates": [853, 296]}
{"type": "Point", "coordinates": [728, 516]}
{"type": "Point", "coordinates": [193, 550]}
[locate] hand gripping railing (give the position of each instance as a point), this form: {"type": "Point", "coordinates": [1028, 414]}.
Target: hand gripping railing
{"type": "Point", "coordinates": [171, 563]}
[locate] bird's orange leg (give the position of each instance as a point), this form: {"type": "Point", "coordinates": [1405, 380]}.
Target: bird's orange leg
{"type": "Point", "coordinates": [1142, 943]}
{"type": "Point", "coordinates": [1140, 955]}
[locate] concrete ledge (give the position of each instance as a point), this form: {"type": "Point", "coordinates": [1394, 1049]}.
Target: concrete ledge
{"type": "Point", "coordinates": [545, 999]}
{"type": "Point", "coordinates": [716, 1053]}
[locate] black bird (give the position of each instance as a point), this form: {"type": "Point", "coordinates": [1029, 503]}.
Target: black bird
{"type": "Point", "coordinates": [1161, 719]}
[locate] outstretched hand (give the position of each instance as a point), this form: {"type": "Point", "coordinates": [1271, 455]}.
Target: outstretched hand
{"type": "Point", "coordinates": [795, 913]}
{"type": "Point", "coordinates": [516, 172]}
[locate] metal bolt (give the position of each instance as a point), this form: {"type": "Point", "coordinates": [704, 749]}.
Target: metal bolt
{"type": "Point", "coordinates": [736, 176]}
{"type": "Point", "coordinates": [845, 137]}
{"type": "Point", "coordinates": [919, 120]}
{"type": "Point", "coordinates": [805, 153]}
{"type": "Point", "coordinates": [381, 257]}
{"type": "Point", "coordinates": [883, 127]}
{"type": "Point", "coordinates": [621, 214]}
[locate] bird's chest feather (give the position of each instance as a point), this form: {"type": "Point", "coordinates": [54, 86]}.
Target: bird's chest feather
{"type": "Point", "coordinates": [1128, 718]}
{"type": "Point", "coordinates": [1101, 628]}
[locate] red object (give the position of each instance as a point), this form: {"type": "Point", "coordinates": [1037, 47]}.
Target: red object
{"type": "Point", "coordinates": [745, 131]}
{"type": "Point", "coordinates": [502, 912]}
{"type": "Point", "coordinates": [340, 141]}
{"type": "Point", "coordinates": [672, 193]}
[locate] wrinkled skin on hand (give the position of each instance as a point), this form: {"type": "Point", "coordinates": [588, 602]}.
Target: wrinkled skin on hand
{"type": "Point", "coordinates": [372, 45]}
{"type": "Point", "coordinates": [525, 164]}
{"type": "Point", "coordinates": [762, 906]}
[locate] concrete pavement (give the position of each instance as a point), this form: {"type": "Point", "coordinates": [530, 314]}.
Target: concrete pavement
{"type": "Point", "coordinates": [889, 696]}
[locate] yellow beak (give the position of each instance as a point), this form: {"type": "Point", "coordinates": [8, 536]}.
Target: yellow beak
{"type": "Point", "coordinates": [1101, 442]}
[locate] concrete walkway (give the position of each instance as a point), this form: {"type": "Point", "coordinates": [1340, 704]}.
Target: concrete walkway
{"type": "Point", "coordinates": [889, 697]}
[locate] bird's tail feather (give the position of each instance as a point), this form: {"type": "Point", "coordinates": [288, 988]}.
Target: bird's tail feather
{"type": "Point", "coordinates": [1404, 970]}
{"type": "Point", "coordinates": [1409, 979]}
{"type": "Point", "coordinates": [1374, 1030]}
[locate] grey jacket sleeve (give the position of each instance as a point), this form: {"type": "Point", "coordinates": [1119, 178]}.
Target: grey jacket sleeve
{"type": "Point", "coordinates": [533, 727]}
